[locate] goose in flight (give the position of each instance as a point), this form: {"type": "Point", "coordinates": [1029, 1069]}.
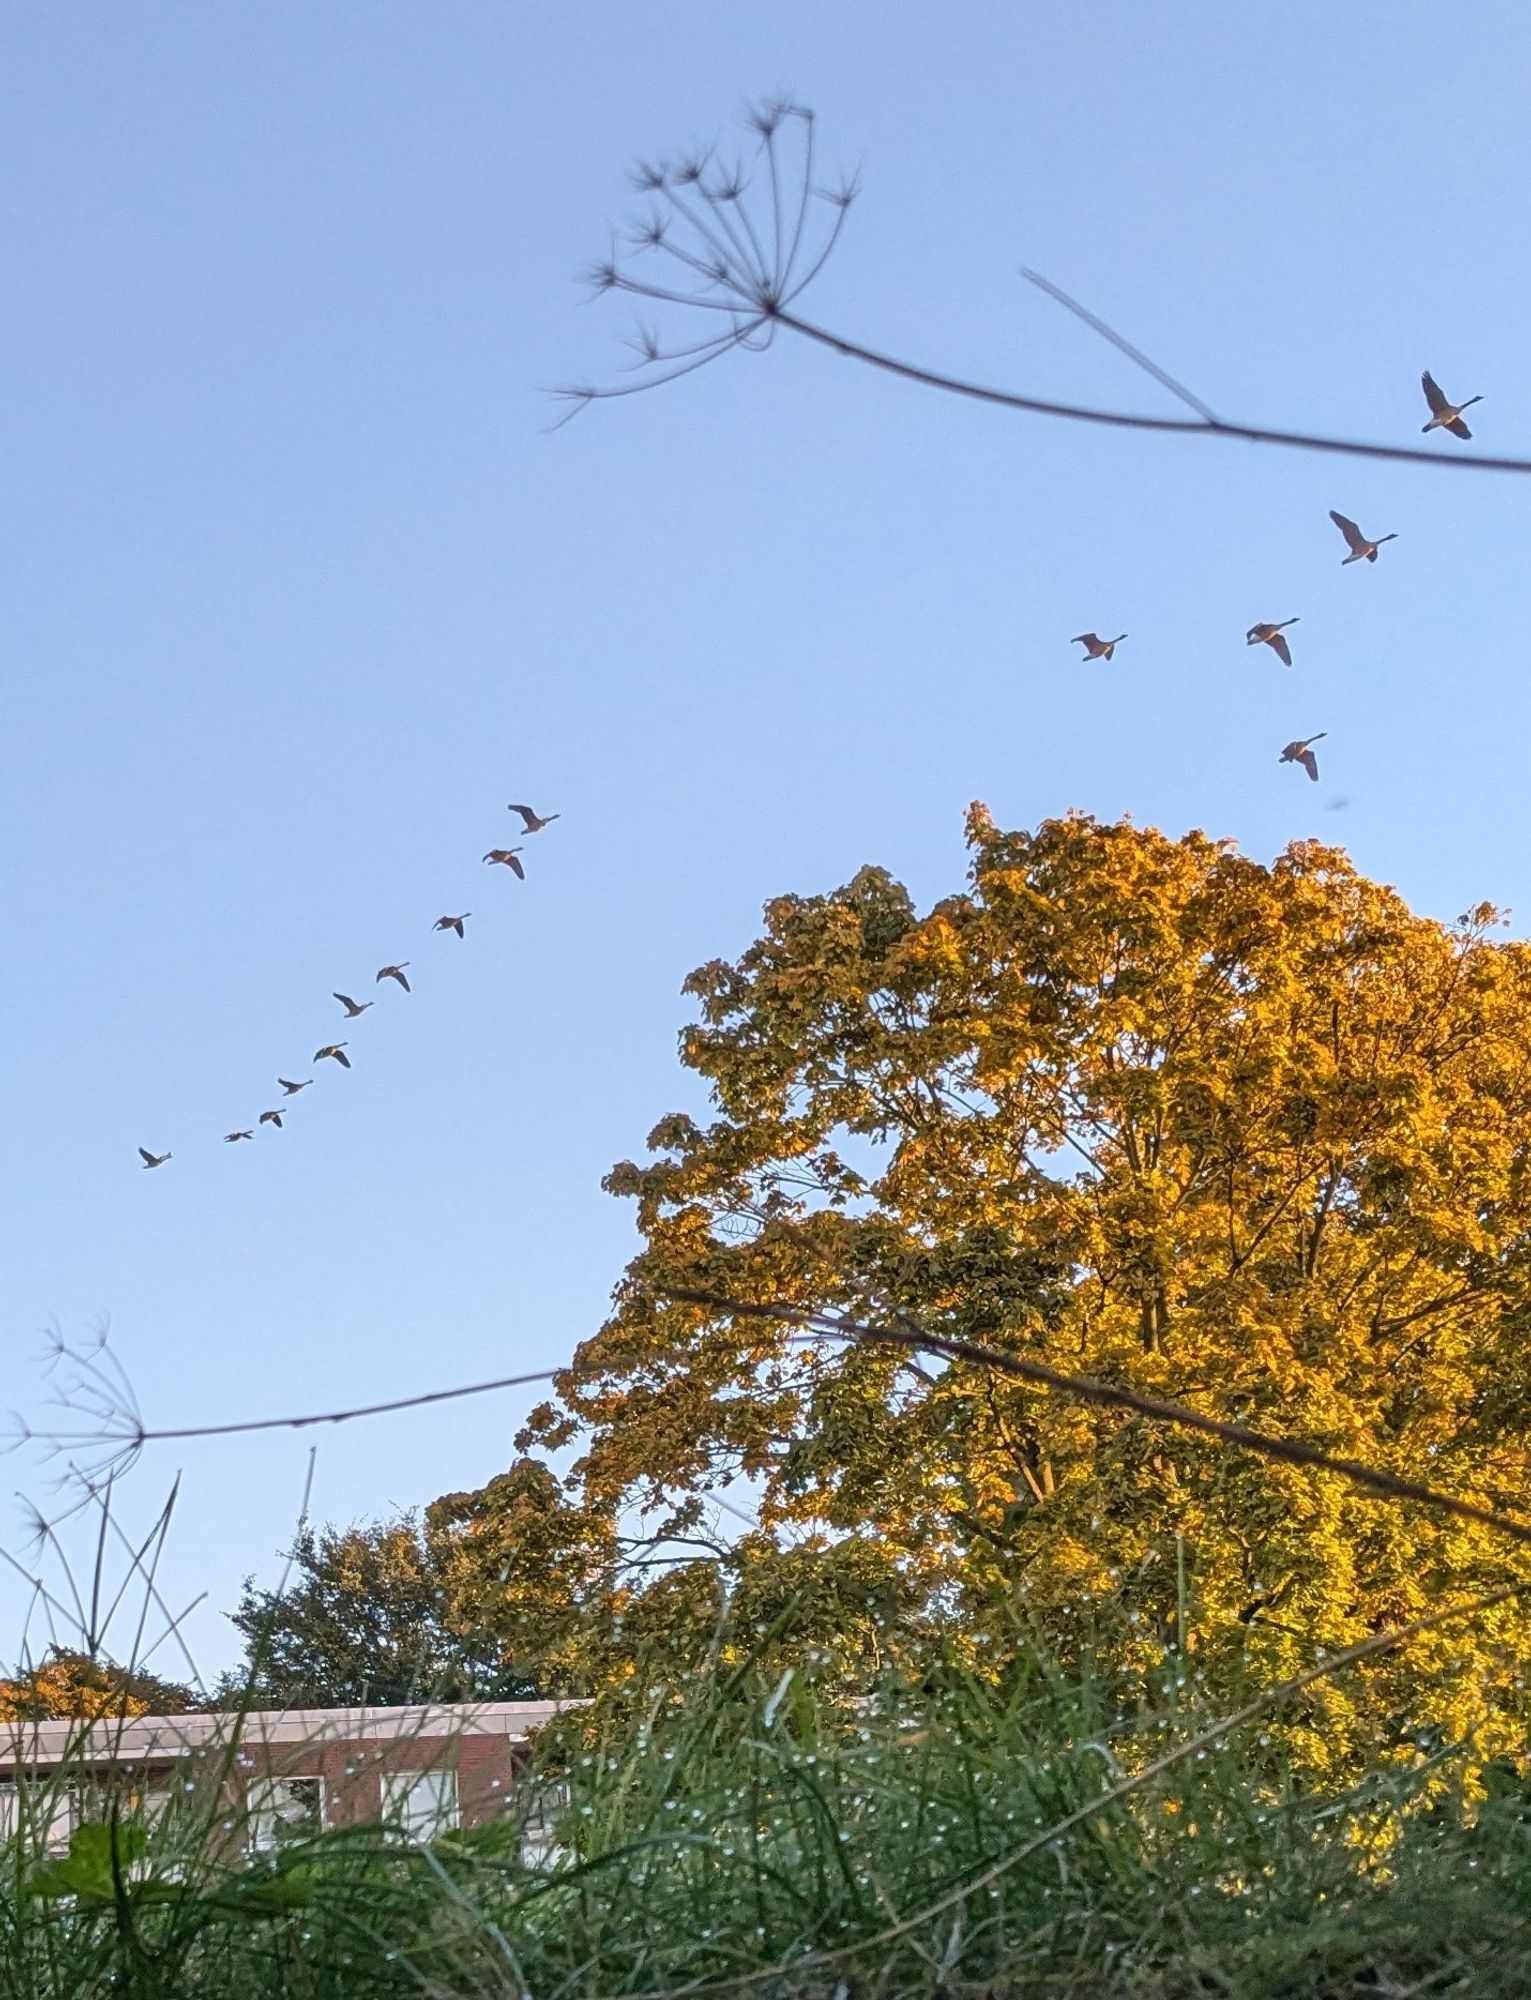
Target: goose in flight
{"type": "Point", "coordinates": [1360, 548]}
{"type": "Point", "coordinates": [291, 1089]}
{"type": "Point", "coordinates": [1096, 648]}
{"type": "Point", "coordinates": [271, 1118]}
{"type": "Point", "coordinates": [233, 1138]}
{"type": "Point", "coordinates": [336, 1052]}
{"type": "Point", "coordinates": [1301, 752]}
{"type": "Point", "coordinates": [452, 923]}
{"type": "Point", "coordinates": [152, 1159]}
{"type": "Point", "coordinates": [534, 822]}
{"type": "Point", "coordinates": [353, 1007]}
{"type": "Point", "coordinates": [1272, 636]}
{"type": "Point", "coordinates": [395, 972]}
{"type": "Point", "coordinates": [507, 857]}
{"type": "Point", "coordinates": [1445, 416]}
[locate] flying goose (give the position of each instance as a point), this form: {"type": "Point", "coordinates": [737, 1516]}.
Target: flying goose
{"type": "Point", "coordinates": [452, 923]}
{"type": "Point", "coordinates": [1096, 648]}
{"type": "Point", "coordinates": [1445, 416]}
{"type": "Point", "coordinates": [507, 857]}
{"type": "Point", "coordinates": [1359, 546]}
{"type": "Point", "coordinates": [353, 1007]}
{"type": "Point", "coordinates": [233, 1138]}
{"type": "Point", "coordinates": [292, 1089]}
{"type": "Point", "coordinates": [152, 1159]}
{"type": "Point", "coordinates": [1271, 635]}
{"type": "Point", "coordinates": [336, 1051]}
{"type": "Point", "coordinates": [271, 1118]}
{"type": "Point", "coordinates": [535, 822]}
{"type": "Point", "coordinates": [1301, 752]}
{"type": "Point", "coordinates": [395, 972]}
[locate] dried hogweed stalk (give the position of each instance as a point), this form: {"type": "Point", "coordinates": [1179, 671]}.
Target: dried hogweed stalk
{"type": "Point", "coordinates": [738, 238]}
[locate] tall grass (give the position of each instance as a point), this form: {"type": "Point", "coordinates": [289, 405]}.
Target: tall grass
{"type": "Point", "coordinates": [781, 1837]}
{"type": "Point", "coordinates": [1040, 1830]}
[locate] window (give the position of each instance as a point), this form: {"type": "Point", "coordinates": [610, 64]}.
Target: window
{"type": "Point", "coordinates": [43, 1811]}
{"type": "Point", "coordinates": [548, 1803]}
{"type": "Point", "coordinates": [134, 1795]}
{"type": "Point", "coordinates": [420, 1804]}
{"type": "Point", "coordinates": [279, 1809]}
{"type": "Point", "coordinates": [152, 1805]}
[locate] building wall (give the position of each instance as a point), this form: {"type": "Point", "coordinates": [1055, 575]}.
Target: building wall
{"type": "Point", "coordinates": [243, 1762]}
{"type": "Point", "coordinates": [352, 1771]}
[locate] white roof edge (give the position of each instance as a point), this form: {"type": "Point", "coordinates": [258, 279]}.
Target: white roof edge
{"type": "Point", "coordinates": [50, 1741]}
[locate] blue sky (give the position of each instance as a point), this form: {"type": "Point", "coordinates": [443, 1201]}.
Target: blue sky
{"type": "Point", "coordinates": [300, 589]}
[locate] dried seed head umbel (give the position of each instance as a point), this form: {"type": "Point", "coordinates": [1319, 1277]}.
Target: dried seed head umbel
{"type": "Point", "coordinates": [737, 239]}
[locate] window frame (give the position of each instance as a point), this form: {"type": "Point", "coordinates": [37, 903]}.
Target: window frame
{"type": "Point", "coordinates": [265, 1823]}
{"type": "Point", "coordinates": [396, 1788]}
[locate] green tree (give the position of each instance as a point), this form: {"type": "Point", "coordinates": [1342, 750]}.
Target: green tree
{"type": "Point", "coordinates": [502, 1593]}
{"type": "Point", "coordinates": [1254, 1138]}
{"type": "Point", "coordinates": [523, 1564]}
{"type": "Point", "coordinates": [364, 1618]}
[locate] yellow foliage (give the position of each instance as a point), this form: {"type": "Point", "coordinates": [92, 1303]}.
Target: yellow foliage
{"type": "Point", "coordinates": [80, 1688]}
{"type": "Point", "coordinates": [1253, 1138]}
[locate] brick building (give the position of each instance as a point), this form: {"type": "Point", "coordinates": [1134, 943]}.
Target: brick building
{"type": "Point", "coordinates": [422, 1769]}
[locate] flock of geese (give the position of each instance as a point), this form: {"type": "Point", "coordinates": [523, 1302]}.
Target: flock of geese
{"type": "Point", "coordinates": [1444, 416]}
{"type": "Point", "coordinates": [497, 857]}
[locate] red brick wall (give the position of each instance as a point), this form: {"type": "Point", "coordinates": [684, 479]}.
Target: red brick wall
{"type": "Point", "coordinates": [351, 1770]}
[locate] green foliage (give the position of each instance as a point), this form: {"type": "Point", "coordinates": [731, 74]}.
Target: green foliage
{"type": "Point", "coordinates": [534, 1570]}
{"type": "Point", "coordinates": [96, 1864]}
{"type": "Point", "coordinates": [367, 1616]}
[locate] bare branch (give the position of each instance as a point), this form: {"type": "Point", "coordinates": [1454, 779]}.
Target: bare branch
{"type": "Point", "coordinates": [123, 1433]}
{"type": "Point", "coordinates": [1127, 420]}
{"type": "Point", "coordinates": [1123, 346]}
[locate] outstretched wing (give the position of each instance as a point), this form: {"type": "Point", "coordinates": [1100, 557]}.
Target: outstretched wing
{"type": "Point", "coordinates": [526, 813]}
{"type": "Point", "coordinates": [1309, 763]}
{"type": "Point", "coordinates": [515, 862]}
{"type": "Point", "coordinates": [1348, 528]}
{"type": "Point", "coordinates": [1280, 648]}
{"type": "Point", "coordinates": [1433, 394]}
{"type": "Point", "coordinates": [146, 1156]}
{"type": "Point", "coordinates": [1459, 429]}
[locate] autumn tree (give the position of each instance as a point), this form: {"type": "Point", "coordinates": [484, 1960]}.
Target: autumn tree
{"type": "Point", "coordinates": [1250, 1137]}
{"type": "Point", "coordinates": [83, 1687]}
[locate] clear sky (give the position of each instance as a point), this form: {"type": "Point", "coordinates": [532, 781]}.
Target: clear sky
{"type": "Point", "coordinates": [299, 589]}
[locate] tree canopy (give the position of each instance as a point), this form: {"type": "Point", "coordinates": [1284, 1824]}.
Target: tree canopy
{"type": "Point", "coordinates": [492, 1596]}
{"type": "Point", "coordinates": [82, 1687]}
{"type": "Point", "coordinates": [1250, 1137]}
